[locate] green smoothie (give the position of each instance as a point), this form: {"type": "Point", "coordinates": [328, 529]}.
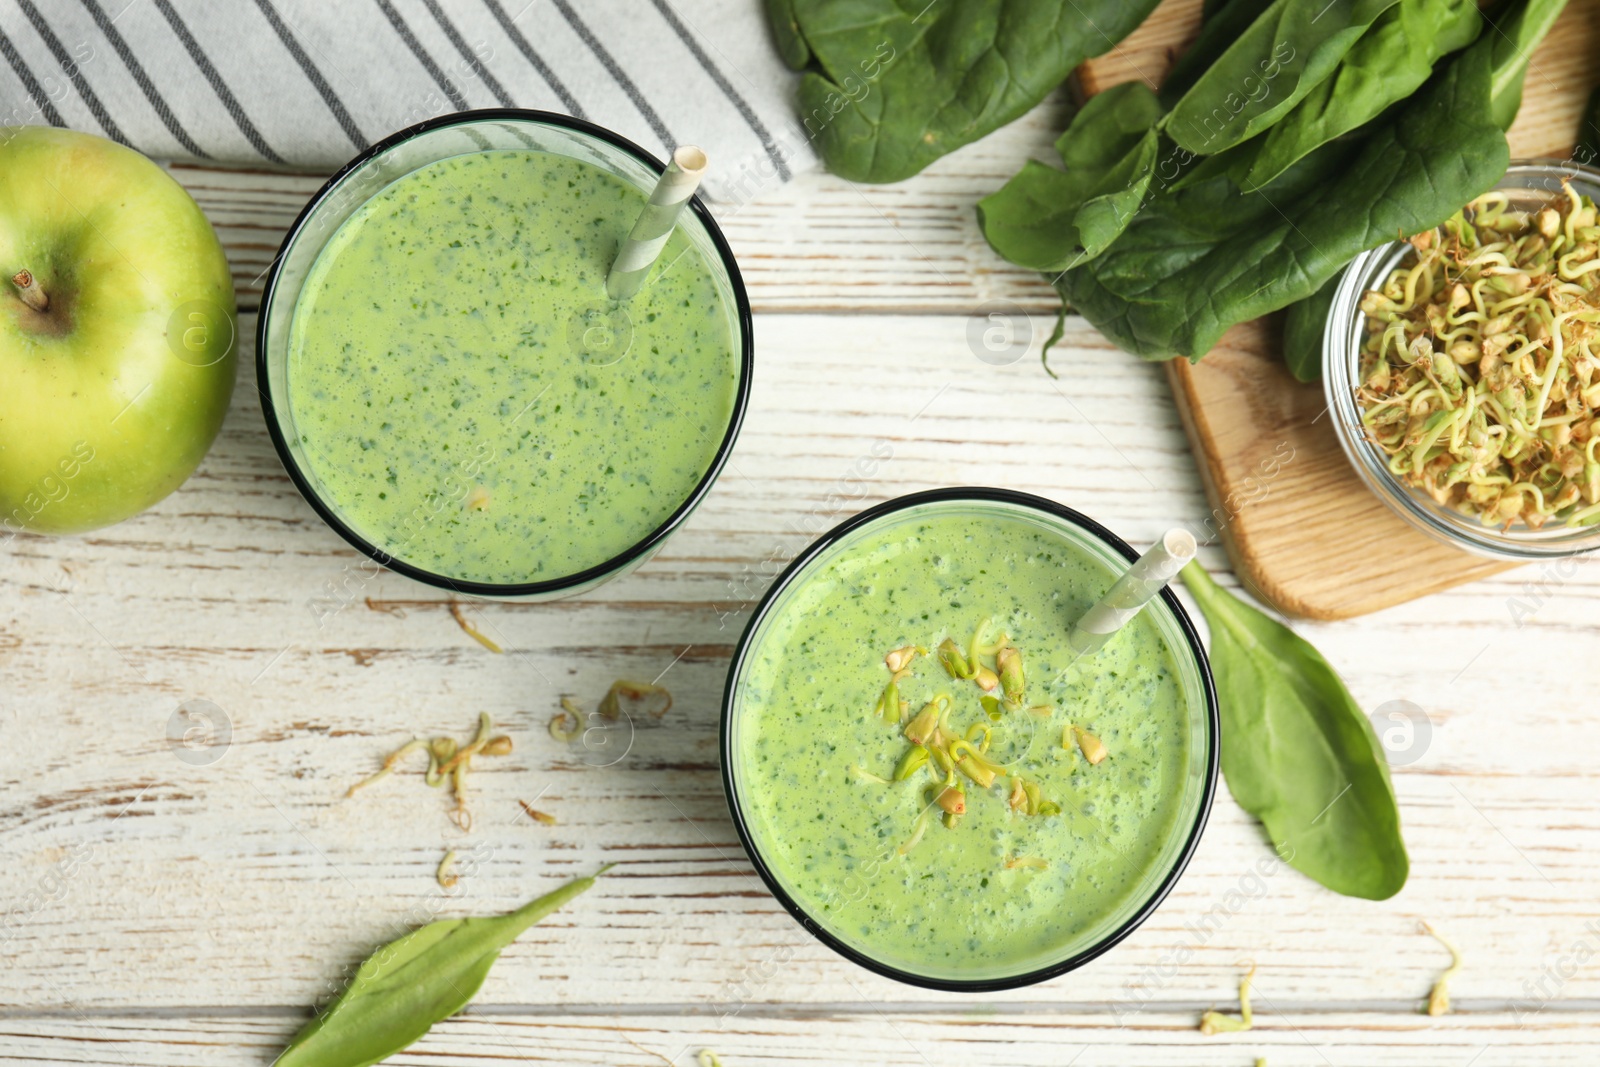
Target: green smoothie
{"type": "Point", "coordinates": [1057, 849]}
{"type": "Point", "coordinates": [470, 400]}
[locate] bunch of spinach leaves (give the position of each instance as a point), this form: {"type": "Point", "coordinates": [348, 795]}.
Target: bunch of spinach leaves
{"type": "Point", "coordinates": [892, 85]}
{"type": "Point", "coordinates": [1284, 144]}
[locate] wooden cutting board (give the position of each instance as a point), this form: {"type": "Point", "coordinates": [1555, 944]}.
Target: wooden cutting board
{"type": "Point", "coordinates": [1301, 529]}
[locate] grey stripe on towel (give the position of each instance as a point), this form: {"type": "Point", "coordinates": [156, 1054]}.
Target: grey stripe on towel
{"type": "Point", "coordinates": [307, 83]}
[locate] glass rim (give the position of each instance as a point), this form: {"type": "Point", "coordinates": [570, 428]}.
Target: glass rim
{"type": "Point", "coordinates": [1341, 353]}
{"type": "Point", "coordinates": [1211, 720]}
{"type": "Point", "coordinates": [552, 586]}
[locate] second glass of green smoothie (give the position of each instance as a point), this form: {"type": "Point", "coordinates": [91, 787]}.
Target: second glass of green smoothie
{"type": "Point", "coordinates": [926, 775]}
{"type": "Point", "coordinates": [448, 383]}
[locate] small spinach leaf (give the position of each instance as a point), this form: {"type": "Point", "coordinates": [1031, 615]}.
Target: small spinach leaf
{"type": "Point", "coordinates": [1282, 56]}
{"type": "Point", "coordinates": [1303, 327]}
{"type": "Point", "coordinates": [1048, 220]}
{"type": "Point", "coordinates": [411, 983]}
{"type": "Point", "coordinates": [895, 84]}
{"type": "Point", "coordinates": [1298, 753]}
{"type": "Point", "coordinates": [1221, 25]}
{"type": "Point", "coordinates": [1587, 149]}
{"type": "Point", "coordinates": [786, 33]}
{"type": "Point", "coordinates": [1518, 29]}
{"type": "Point", "coordinates": [1389, 63]}
{"type": "Point", "coordinates": [1031, 220]}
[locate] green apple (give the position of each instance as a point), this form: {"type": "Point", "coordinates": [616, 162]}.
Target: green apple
{"type": "Point", "coordinates": [117, 332]}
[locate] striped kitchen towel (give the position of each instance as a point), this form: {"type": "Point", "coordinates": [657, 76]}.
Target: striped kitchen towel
{"type": "Point", "coordinates": [308, 83]}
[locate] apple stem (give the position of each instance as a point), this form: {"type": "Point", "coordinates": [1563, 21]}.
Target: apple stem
{"type": "Point", "coordinates": [30, 290]}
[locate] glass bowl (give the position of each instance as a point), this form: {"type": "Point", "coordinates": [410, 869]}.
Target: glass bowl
{"type": "Point", "coordinates": [812, 903]}
{"type": "Point", "coordinates": [399, 155]}
{"type": "Point", "coordinates": [1530, 183]}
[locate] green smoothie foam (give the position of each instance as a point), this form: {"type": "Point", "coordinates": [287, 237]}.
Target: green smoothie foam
{"type": "Point", "coordinates": [469, 399]}
{"type": "Point", "coordinates": [1000, 891]}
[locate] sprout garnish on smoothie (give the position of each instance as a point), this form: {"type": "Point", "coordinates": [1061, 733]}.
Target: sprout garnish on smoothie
{"type": "Point", "coordinates": [950, 754]}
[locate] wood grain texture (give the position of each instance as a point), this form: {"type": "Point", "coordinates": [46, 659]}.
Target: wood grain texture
{"type": "Point", "coordinates": [158, 912]}
{"type": "Point", "coordinates": [140, 882]}
{"type": "Point", "coordinates": [853, 1033]}
{"type": "Point", "coordinates": [1315, 541]}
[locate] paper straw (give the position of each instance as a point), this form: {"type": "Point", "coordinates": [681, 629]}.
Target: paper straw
{"type": "Point", "coordinates": [1142, 582]}
{"type": "Point", "coordinates": [656, 222]}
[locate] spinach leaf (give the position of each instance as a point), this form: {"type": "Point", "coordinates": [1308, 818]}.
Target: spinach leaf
{"type": "Point", "coordinates": [786, 33]}
{"type": "Point", "coordinates": [1221, 25]}
{"type": "Point", "coordinates": [1170, 286]}
{"type": "Point", "coordinates": [1233, 162]}
{"type": "Point", "coordinates": [1297, 752]}
{"type": "Point", "coordinates": [895, 84]}
{"type": "Point", "coordinates": [1518, 29]}
{"type": "Point", "coordinates": [411, 983]}
{"type": "Point", "coordinates": [1303, 327]}
{"type": "Point", "coordinates": [1048, 220]}
{"type": "Point", "coordinates": [1389, 63]}
{"type": "Point", "coordinates": [1280, 57]}
{"type": "Point", "coordinates": [1210, 9]}
{"type": "Point", "coordinates": [1180, 226]}
{"type": "Point", "coordinates": [1587, 149]}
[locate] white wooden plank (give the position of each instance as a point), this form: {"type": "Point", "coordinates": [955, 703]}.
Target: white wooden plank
{"type": "Point", "coordinates": [138, 876]}
{"type": "Point", "coordinates": [855, 1035]}
{"type": "Point", "coordinates": [142, 886]}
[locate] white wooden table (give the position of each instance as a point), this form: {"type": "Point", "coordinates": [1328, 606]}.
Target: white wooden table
{"type": "Point", "coordinates": [163, 912]}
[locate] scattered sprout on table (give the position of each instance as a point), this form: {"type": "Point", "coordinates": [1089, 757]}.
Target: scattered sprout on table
{"type": "Point", "coordinates": [1215, 1022]}
{"type": "Point", "coordinates": [447, 760]}
{"type": "Point", "coordinates": [1439, 996]}
{"type": "Point", "coordinates": [541, 817]}
{"type": "Point", "coordinates": [390, 762]}
{"type": "Point", "coordinates": [471, 630]}
{"type": "Point", "coordinates": [571, 721]}
{"type": "Point", "coordinates": [567, 723]}
{"type": "Point", "coordinates": [610, 705]}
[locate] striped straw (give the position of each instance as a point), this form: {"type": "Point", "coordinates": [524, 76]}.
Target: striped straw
{"type": "Point", "coordinates": [1140, 584]}
{"type": "Point", "coordinates": [650, 234]}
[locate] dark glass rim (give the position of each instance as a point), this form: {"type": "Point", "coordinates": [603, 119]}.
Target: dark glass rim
{"type": "Point", "coordinates": [976, 985]}
{"type": "Point", "coordinates": [581, 578]}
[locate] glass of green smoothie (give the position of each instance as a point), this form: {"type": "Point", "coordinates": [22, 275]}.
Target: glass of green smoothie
{"type": "Point", "coordinates": [448, 383]}
{"type": "Point", "coordinates": [929, 779]}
